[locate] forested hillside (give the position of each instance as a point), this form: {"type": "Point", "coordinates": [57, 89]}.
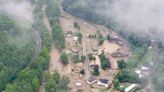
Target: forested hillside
{"type": "Point", "coordinates": [16, 49]}
{"type": "Point", "coordinates": [53, 13]}
{"type": "Point", "coordinates": [31, 74]}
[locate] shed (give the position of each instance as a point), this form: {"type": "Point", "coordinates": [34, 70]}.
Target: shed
{"type": "Point", "coordinates": [78, 83]}
{"type": "Point", "coordinates": [75, 38]}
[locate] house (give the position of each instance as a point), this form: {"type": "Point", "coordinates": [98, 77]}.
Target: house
{"type": "Point", "coordinates": [69, 33]}
{"type": "Point", "coordinates": [116, 39]}
{"type": "Point", "coordinates": [131, 87]}
{"type": "Point", "coordinates": [78, 83]}
{"type": "Point", "coordinates": [75, 51]}
{"type": "Point", "coordinates": [91, 80]}
{"type": "Point", "coordinates": [75, 38]}
{"type": "Point", "coordinates": [95, 48]}
{"type": "Point", "coordinates": [103, 82]}
{"type": "Point", "coordinates": [94, 66]}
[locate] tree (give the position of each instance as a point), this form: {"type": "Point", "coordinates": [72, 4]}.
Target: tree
{"type": "Point", "coordinates": [64, 58]}
{"type": "Point", "coordinates": [109, 37]}
{"type": "Point", "coordinates": [25, 86]}
{"type": "Point", "coordinates": [11, 88]}
{"type": "Point", "coordinates": [35, 84]}
{"type": "Point", "coordinates": [116, 84]}
{"type": "Point", "coordinates": [51, 86]}
{"type": "Point", "coordinates": [14, 54]}
{"type": "Point", "coordinates": [80, 36]}
{"type": "Point", "coordinates": [128, 76]}
{"type": "Point", "coordinates": [58, 36]}
{"type": "Point", "coordinates": [91, 57]}
{"type": "Point", "coordinates": [82, 71]}
{"type": "Point", "coordinates": [83, 58]}
{"type": "Point", "coordinates": [121, 64]}
{"type": "Point", "coordinates": [105, 63]}
{"type": "Point", "coordinates": [75, 58]}
{"type": "Point", "coordinates": [76, 25]}
{"type": "Point", "coordinates": [52, 81]}
{"type": "Point", "coordinates": [56, 76]}
{"type": "Point", "coordinates": [96, 71]}
{"type": "Point", "coordinates": [55, 82]}
{"type": "Point", "coordinates": [63, 83]}
{"type": "Point", "coordinates": [101, 39]}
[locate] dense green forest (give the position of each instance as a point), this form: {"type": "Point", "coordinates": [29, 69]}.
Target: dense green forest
{"type": "Point", "coordinates": [53, 14]}
{"type": "Point", "coordinates": [39, 24]}
{"type": "Point", "coordinates": [30, 77]}
{"type": "Point", "coordinates": [16, 49]}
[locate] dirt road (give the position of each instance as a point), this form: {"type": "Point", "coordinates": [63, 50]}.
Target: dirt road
{"type": "Point", "coordinates": [84, 41]}
{"type": "Point", "coordinates": [46, 21]}
{"type": "Point", "coordinates": [38, 42]}
{"type": "Point", "coordinates": [38, 45]}
{"type": "Point", "coordinates": [86, 63]}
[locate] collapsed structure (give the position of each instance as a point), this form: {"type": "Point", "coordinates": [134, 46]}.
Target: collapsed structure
{"type": "Point", "coordinates": [118, 54]}
{"type": "Point", "coordinates": [116, 39]}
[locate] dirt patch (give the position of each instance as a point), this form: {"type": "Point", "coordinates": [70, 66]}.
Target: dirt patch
{"type": "Point", "coordinates": [55, 63]}
{"type": "Point", "coordinates": [109, 47]}
{"type": "Point", "coordinates": [67, 24]}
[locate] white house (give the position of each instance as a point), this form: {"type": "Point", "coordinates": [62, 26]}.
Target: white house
{"type": "Point", "coordinates": [78, 83]}
{"type": "Point", "coordinates": [75, 38]}
{"type": "Point", "coordinates": [128, 89]}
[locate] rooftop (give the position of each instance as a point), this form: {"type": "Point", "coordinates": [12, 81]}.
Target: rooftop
{"type": "Point", "coordinates": [94, 66]}
{"type": "Point", "coordinates": [130, 87]}
{"type": "Point", "coordinates": [105, 81]}
{"type": "Point", "coordinates": [75, 38]}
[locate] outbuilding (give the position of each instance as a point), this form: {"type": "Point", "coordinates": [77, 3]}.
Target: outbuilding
{"type": "Point", "coordinates": [78, 83]}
